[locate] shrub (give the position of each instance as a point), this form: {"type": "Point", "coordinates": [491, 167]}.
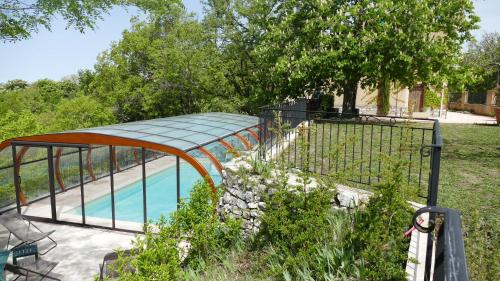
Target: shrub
{"type": "Point", "coordinates": [432, 99]}
{"type": "Point", "coordinates": [156, 256]}
{"type": "Point", "coordinates": [378, 232]}
{"type": "Point", "coordinates": [296, 224]}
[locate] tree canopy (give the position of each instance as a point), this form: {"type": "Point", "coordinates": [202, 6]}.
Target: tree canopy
{"type": "Point", "coordinates": [338, 45]}
{"type": "Point", "coordinates": [20, 19]}
{"type": "Point", "coordinates": [479, 65]}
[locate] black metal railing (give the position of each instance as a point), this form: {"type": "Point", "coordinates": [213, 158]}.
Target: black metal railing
{"type": "Point", "coordinates": [476, 98]}
{"type": "Point", "coordinates": [361, 146]}
{"type": "Point", "coordinates": [357, 146]}
{"type": "Point", "coordinates": [454, 97]}
{"type": "Point", "coordinates": [449, 256]}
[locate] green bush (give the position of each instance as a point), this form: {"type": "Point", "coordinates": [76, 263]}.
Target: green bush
{"type": "Point", "coordinates": [327, 255]}
{"type": "Point", "coordinates": [432, 99]}
{"type": "Point", "coordinates": [156, 256]}
{"type": "Point", "coordinates": [378, 232]}
{"type": "Point", "coordinates": [309, 241]}
{"type": "Point", "coordinates": [304, 236]}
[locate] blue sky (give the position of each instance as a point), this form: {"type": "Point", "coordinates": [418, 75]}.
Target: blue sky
{"type": "Point", "coordinates": [63, 52]}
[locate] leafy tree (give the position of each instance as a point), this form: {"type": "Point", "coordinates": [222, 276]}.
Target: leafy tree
{"type": "Point", "coordinates": [40, 96]}
{"type": "Point", "coordinates": [81, 112]}
{"type": "Point", "coordinates": [51, 92]}
{"type": "Point", "coordinates": [15, 84]}
{"type": "Point", "coordinates": [238, 27]}
{"type": "Point", "coordinates": [479, 65]}
{"type": "Point", "coordinates": [16, 124]}
{"type": "Point", "coordinates": [169, 66]}
{"type": "Point", "coordinates": [336, 46]}
{"type": "Point", "coordinates": [19, 19]}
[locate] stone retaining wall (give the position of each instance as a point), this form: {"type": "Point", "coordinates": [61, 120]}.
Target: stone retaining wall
{"type": "Point", "coordinates": [244, 191]}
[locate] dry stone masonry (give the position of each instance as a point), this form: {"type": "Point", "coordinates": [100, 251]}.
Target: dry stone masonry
{"type": "Point", "coordinates": [244, 192]}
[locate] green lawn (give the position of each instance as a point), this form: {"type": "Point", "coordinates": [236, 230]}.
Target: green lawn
{"type": "Point", "coordinates": [470, 182]}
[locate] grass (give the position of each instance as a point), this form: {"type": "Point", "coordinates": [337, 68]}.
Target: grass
{"type": "Point", "coordinates": [470, 182]}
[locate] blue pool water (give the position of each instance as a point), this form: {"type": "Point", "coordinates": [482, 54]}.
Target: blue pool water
{"type": "Point", "coordinates": [160, 192]}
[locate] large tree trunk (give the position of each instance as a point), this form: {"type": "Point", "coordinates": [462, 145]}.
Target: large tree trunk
{"type": "Point", "coordinates": [383, 97]}
{"type": "Point", "coordinates": [350, 90]}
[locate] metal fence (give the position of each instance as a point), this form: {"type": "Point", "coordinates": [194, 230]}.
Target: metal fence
{"type": "Point", "coordinates": [454, 97]}
{"type": "Point", "coordinates": [357, 147]}
{"type": "Point", "coordinates": [477, 98]}
{"type": "Point", "coordinates": [360, 147]}
{"type": "Point", "coordinates": [449, 256]}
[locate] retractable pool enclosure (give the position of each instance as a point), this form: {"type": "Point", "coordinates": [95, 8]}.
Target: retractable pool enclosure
{"type": "Point", "coordinates": [122, 175]}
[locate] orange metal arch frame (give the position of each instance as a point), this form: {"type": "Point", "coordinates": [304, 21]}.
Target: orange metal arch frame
{"type": "Point", "coordinates": [93, 138]}
{"type": "Point", "coordinates": [253, 134]}
{"type": "Point", "coordinates": [229, 147]}
{"type": "Point", "coordinates": [19, 158]}
{"type": "Point", "coordinates": [212, 158]}
{"type": "Point", "coordinates": [245, 142]}
{"type": "Point", "coordinates": [59, 178]}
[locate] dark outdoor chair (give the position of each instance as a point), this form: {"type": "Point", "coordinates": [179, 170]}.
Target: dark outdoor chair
{"type": "Point", "coordinates": [106, 270]}
{"type": "Point", "coordinates": [4, 255]}
{"type": "Point", "coordinates": [24, 230]}
{"type": "Point", "coordinates": [29, 267]}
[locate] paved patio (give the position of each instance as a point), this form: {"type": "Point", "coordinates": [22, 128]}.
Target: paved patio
{"type": "Point", "coordinates": [80, 250]}
{"type": "Point", "coordinates": [466, 118]}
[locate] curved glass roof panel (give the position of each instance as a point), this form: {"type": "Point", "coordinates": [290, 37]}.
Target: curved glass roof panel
{"type": "Point", "coordinates": [249, 137]}
{"type": "Point", "coordinates": [219, 151]}
{"type": "Point", "coordinates": [235, 142]}
{"type": "Point", "coordinates": [185, 132]}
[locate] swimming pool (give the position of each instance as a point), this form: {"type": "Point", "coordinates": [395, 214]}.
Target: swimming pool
{"type": "Point", "coordinates": [160, 193]}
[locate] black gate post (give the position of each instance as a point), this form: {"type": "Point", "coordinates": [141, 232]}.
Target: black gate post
{"type": "Point", "coordinates": [144, 198]}
{"type": "Point", "coordinates": [435, 162]}
{"type": "Point", "coordinates": [17, 178]}
{"type": "Point", "coordinates": [82, 192]}
{"type": "Point", "coordinates": [52, 189]}
{"type": "Point", "coordinates": [112, 183]}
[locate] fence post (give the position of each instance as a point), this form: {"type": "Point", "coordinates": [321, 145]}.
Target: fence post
{"type": "Point", "coordinates": [464, 99]}
{"type": "Point", "coordinates": [112, 184]}
{"type": "Point", "coordinates": [17, 183]}
{"type": "Point", "coordinates": [144, 183]}
{"type": "Point", "coordinates": [50, 158]}
{"type": "Point", "coordinates": [437, 143]}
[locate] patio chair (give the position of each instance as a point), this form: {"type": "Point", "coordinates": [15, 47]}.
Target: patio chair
{"type": "Point", "coordinates": [106, 270]}
{"type": "Point", "coordinates": [29, 267]}
{"type": "Point", "coordinates": [24, 230]}
{"type": "Point", "coordinates": [4, 255]}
